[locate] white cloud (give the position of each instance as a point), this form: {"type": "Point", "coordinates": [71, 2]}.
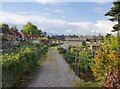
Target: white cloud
{"type": "Point", "coordinates": [57, 25]}
{"type": "Point", "coordinates": [102, 26]}
{"type": "Point", "coordinates": [46, 1]}
{"type": "Point", "coordinates": [40, 21]}
{"type": "Point", "coordinates": [84, 25]}
{"type": "Point", "coordinates": [54, 1]}
{"type": "Point", "coordinates": [101, 1]}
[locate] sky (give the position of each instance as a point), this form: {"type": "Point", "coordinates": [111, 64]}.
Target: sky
{"type": "Point", "coordinates": [59, 17]}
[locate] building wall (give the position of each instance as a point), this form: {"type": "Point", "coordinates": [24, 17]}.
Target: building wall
{"type": "Point", "coordinates": [74, 43]}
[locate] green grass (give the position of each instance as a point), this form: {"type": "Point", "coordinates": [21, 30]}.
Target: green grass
{"type": "Point", "coordinates": [42, 60]}
{"type": "Point", "coordinates": [49, 55]}
{"type": "Point", "coordinates": [88, 84]}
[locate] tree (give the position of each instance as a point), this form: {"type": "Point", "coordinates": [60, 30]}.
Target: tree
{"type": "Point", "coordinates": [14, 28]}
{"type": "Point", "coordinates": [108, 35]}
{"type": "Point", "coordinates": [115, 14]}
{"type": "Point", "coordinates": [113, 42]}
{"type": "Point", "coordinates": [39, 31]}
{"type": "Point", "coordinates": [4, 25]}
{"type": "Point", "coordinates": [84, 61]}
{"type": "Point", "coordinates": [44, 34]}
{"type": "Point", "coordinates": [105, 60]}
{"type": "Point", "coordinates": [30, 29]}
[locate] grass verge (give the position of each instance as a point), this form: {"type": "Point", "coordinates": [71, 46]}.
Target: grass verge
{"type": "Point", "coordinates": [88, 84]}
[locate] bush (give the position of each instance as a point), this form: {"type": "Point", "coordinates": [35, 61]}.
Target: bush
{"type": "Point", "coordinates": [78, 59]}
{"type": "Point", "coordinates": [106, 60]}
{"type": "Point", "coordinates": [84, 62]}
{"type": "Point", "coordinates": [15, 66]}
{"type": "Point", "coordinates": [103, 64]}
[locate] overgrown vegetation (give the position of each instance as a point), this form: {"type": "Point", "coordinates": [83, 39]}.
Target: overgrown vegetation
{"type": "Point", "coordinates": [16, 66]}
{"type": "Point", "coordinates": [106, 61]}
{"type": "Point", "coordinates": [79, 61]}
{"type": "Point", "coordinates": [97, 68]}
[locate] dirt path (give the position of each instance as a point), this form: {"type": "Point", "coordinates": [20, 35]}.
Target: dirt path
{"type": "Point", "coordinates": [55, 72]}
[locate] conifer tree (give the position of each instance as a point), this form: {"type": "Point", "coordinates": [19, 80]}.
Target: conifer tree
{"type": "Point", "coordinates": [115, 14]}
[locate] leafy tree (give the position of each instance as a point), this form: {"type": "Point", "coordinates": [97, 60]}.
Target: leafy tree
{"type": "Point", "coordinates": [44, 34]}
{"type": "Point", "coordinates": [39, 31]}
{"type": "Point", "coordinates": [98, 67]}
{"type": "Point", "coordinates": [15, 28]}
{"type": "Point", "coordinates": [113, 42]}
{"type": "Point", "coordinates": [30, 29]}
{"type": "Point", "coordinates": [84, 61]}
{"type": "Point", "coordinates": [4, 25]}
{"type": "Point", "coordinates": [108, 35]}
{"type": "Point", "coordinates": [105, 60]}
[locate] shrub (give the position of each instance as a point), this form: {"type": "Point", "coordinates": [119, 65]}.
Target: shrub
{"type": "Point", "coordinates": [15, 66]}
{"type": "Point", "coordinates": [106, 60]}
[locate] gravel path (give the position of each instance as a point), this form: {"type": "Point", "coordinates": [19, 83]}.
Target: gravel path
{"type": "Point", "coordinates": [55, 72]}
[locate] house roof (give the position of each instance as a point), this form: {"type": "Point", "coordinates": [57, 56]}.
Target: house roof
{"type": "Point", "coordinates": [74, 39]}
{"type": "Point", "coordinates": [21, 33]}
{"type": "Point", "coordinates": [36, 35]}
{"type": "Point", "coordinates": [5, 30]}
{"type": "Point", "coordinates": [11, 32]}
{"type": "Point", "coordinates": [96, 44]}
{"type": "Point", "coordinates": [16, 32]}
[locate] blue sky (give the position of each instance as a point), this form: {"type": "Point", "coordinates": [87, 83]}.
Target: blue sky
{"type": "Point", "coordinates": [81, 18]}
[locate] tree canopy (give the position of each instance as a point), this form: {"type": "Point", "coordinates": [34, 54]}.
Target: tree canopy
{"type": "Point", "coordinates": [30, 29]}
{"type": "Point", "coordinates": [14, 28]}
{"type": "Point", "coordinates": [4, 25]}
{"type": "Point", "coordinates": [115, 14]}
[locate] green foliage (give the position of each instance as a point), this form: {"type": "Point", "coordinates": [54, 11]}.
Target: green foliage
{"type": "Point", "coordinates": [44, 34]}
{"type": "Point", "coordinates": [113, 43]}
{"type": "Point", "coordinates": [15, 66]}
{"type": "Point", "coordinates": [30, 29]}
{"type": "Point", "coordinates": [78, 59]}
{"type": "Point", "coordinates": [14, 28]}
{"type": "Point", "coordinates": [89, 85]}
{"type": "Point", "coordinates": [42, 39]}
{"type": "Point", "coordinates": [115, 14]}
{"type": "Point", "coordinates": [115, 11]}
{"type": "Point", "coordinates": [84, 43]}
{"type": "Point", "coordinates": [84, 61]}
{"type": "Point", "coordinates": [4, 25]}
{"type": "Point", "coordinates": [105, 60]}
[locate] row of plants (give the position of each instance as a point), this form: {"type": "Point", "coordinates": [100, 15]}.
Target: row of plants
{"type": "Point", "coordinates": [15, 66]}
{"type": "Point", "coordinates": [102, 67]}
{"type": "Point", "coordinates": [106, 66]}
{"type": "Point", "coordinates": [79, 60]}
